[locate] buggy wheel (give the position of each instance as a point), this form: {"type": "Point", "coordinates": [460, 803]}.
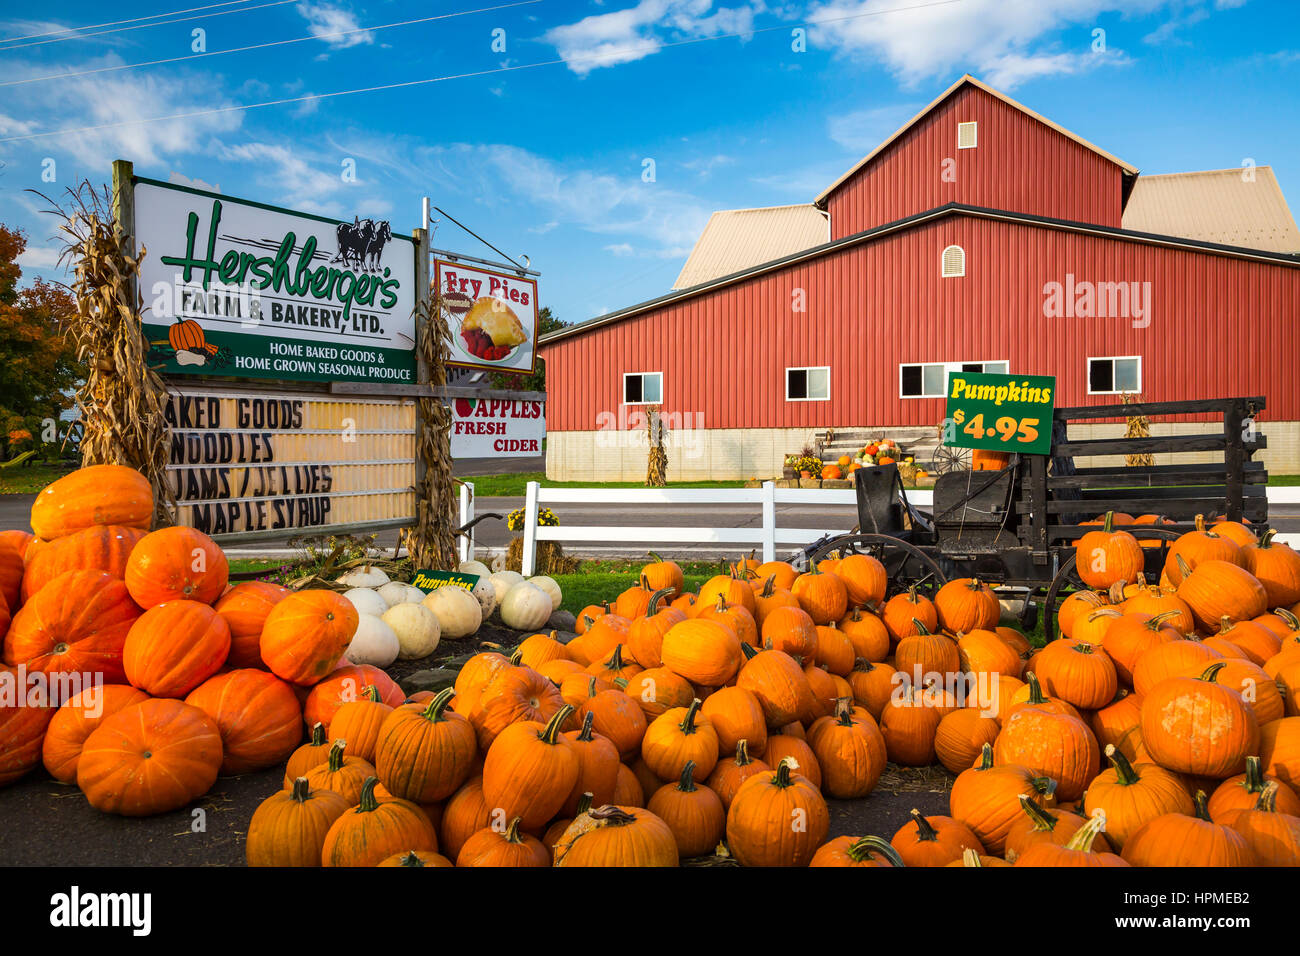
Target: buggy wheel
{"type": "Point", "coordinates": [948, 459]}
{"type": "Point", "coordinates": [906, 565]}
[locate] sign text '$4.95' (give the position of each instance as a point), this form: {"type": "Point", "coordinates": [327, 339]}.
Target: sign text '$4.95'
{"type": "Point", "coordinates": [1009, 413]}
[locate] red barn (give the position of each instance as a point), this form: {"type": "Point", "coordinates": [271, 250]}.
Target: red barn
{"type": "Point", "coordinates": [980, 236]}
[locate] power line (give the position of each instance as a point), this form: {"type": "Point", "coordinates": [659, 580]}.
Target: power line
{"type": "Point", "coordinates": [113, 23]}
{"type": "Point", "coordinates": [623, 51]}
{"type": "Point", "coordinates": [145, 26]}
{"type": "Point", "coordinates": [262, 46]}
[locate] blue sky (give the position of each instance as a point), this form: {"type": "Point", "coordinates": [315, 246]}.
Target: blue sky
{"type": "Point", "coordinates": [548, 160]}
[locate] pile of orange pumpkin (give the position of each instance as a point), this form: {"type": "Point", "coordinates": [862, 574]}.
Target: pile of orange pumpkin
{"type": "Point", "coordinates": [134, 670]}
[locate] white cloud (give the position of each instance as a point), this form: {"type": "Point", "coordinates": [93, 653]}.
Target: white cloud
{"type": "Point", "coordinates": [620, 249]}
{"type": "Point", "coordinates": [623, 36]}
{"type": "Point", "coordinates": [183, 180]}
{"type": "Point", "coordinates": [705, 165]}
{"type": "Point", "coordinates": [325, 22]}
{"type": "Point", "coordinates": [989, 37]}
{"type": "Point", "coordinates": [289, 173]}
{"type": "Point", "coordinates": [39, 258]}
{"type": "Point", "coordinates": [863, 130]}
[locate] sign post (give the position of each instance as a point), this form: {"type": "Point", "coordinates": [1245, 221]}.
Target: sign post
{"type": "Point", "coordinates": [1006, 413]}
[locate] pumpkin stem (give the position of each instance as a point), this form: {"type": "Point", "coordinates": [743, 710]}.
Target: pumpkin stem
{"type": "Point", "coordinates": [301, 789]}
{"type": "Point", "coordinates": [439, 703]}
{"type": "Point", "coordinates": [611, 816]}
{"type": "Point", "coordinates": [1268, 798]}
{"type": "Point", "coordinates": [1292, 622]}
{"type": "Point", "coordinates": [1211, 673]}
{"type": "Point", "coordinates": [584, 803]}
{"type": "Point", "coordinates": [1035, 689]}
{"type": "Point", "coordinates": [655, 599]}
{"type": "Point", "coordinates": [920, 628]}
{"type": "Point", "coordinates": [335, 762]}
{"type": "Point", "coordinates": [722, 604]}
{"type": "Point", "coordinates": [688, 722]}
{"type": "Point", "coordinates": [585, 733]}
{"type": "Point", "coordinates": [743, 759]}
{"type": "Point", "coordinates": [1266, 539]}
{"type": "Point", "coordinates": [749, 650]}
{"type": "Point", "coordinates": [1157, 620]}
{"type": "Point", "coordinates": [371, 693]}
{"type": "Point", "coordinates": [970, 858]}
{"type": "Point", "coordinates": [552, 731]}
{"type": "Point", "coordinates": [986, 757]}
{"type": "Point", "coordinates": [591, 687]}
{"type": "Point", "coordinates": [1108, 523]}
{"type": "Point", "coordinates": [1116, 592]}
{"type": "Point", "coordinates": [1183, 569]}
{"type": "Point", "coordinates": [869, 847]}
{"type": "Point", "coordinates": [1254, 775]}
{"type": "Point", "coordinates": [844, 711]}
{"type": "Point", "coordinates": [1086, 834]}
{"type": "Point", "coordinates": [923, 829]}
{"type": "Point", "coordinates": [411, 859]}
{"type": "Point", "coordinates": [658, 560]}
{"type": "Point", "coordinates": [516, 657]}
{"type": "Point", "coordinates": [1124, 771]}
{"type": "Point", "coordinates": [512, 831]}
{"type": "Point", "coordinates": [318, 734]}
{"type": "Point", "coordinates": [687, 782]}
{"type": "Point", "coordinates": [589, 620]}
{"type": "Point", "coordinates": [368, 802]}
{"type": "Point", "coordinates": [1202, 806]}
{"type": "Point", "coordinates": [1044, 821]}
{"type": "Point", "coordinates": [781, 779]}
{"type": "Point", "coordinates": [615, 662]}
{"type": "Point", "coordinates": [769, 586]}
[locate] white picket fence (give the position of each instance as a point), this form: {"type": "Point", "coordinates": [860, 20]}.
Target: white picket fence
{"type": "Point", "coordinates": [765, 536]}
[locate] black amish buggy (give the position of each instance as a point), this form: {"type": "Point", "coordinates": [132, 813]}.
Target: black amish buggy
{"type": "Point", "coordinates": [1016, 528]}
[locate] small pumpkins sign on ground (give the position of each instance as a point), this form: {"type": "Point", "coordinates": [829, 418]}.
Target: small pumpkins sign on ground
{"type": "Point", "coordinates": [234, 287]}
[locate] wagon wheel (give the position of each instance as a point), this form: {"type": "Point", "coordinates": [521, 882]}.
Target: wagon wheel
{"type": "Point", "coordinates": [1067, 578]}
{"type": "Point", "coordinates": [905, 564]}
{"type": "Point", "coordinates": [949, 458]}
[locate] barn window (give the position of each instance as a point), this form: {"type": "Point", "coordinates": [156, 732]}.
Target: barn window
{"type": "Point", "coordinates": [808, 384]}
{"type": "Point", "coordinates": [643, 388]}
{"type": "Point", "coordinates": [967, 135]}
{"type": "Point", "coordinates": [930, 379]}
{"type": "Point", "coordinates": [954, 262]}
{"type": "Point", "coordinates": [1114, 376]}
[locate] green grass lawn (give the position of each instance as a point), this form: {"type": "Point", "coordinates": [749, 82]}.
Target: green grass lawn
{"type": "Point", "coordinates": [28, 480]}
{"type": "Point", "coordinates": [503, 486]}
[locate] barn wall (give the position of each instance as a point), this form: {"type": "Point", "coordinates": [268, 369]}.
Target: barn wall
{"type": "Point", "coordinates": [1019, 165]}
{"type": "Point", "coordinates": [1216, 326]}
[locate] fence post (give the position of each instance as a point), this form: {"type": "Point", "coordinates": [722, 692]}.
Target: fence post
{"type": "Point", "coordinates": [769, 521]}
{"type": "Point", "coordinates": [528, 563]}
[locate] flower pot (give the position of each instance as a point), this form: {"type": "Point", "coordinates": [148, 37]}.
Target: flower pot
{"type": "Point", "coordinates": [788, 472]}
{"type": "Point", "coordinates": [805, 474]}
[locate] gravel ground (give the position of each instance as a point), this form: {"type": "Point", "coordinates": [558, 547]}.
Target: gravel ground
{"type": "Point", "coordinates": [46, 823]}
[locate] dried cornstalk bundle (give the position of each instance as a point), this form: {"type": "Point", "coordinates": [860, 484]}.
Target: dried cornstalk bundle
{"type": "Point", "coordinates": [122, 401]}
{"type": "Point", "coordinates": [1139, 426]}
{"type": "Point", "coordinates": [657, 468]}
{"type": "Point", "coordinates": [432, 540]}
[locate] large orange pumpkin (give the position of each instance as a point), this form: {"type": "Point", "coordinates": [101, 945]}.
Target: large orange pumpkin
{"type": "Point", "coordinates": [257, 714]}
{"type": "Point", "coordinates": [1277, 567]}
{"type": "Point", "coordinates": [76, 720]}
{"type": "Point", "coordinates": [151, 757]}
{"type": "Point", "coordinates": [176, 564]}
{"type": "Point", "coordinates": [822, 595]}
{"type": "Point", "coordinates": [1195, 725]}
{"type": "Point", "coordinates": [245, 608]}
{"type": "Point", "coordinates": [1195, 548]}
{"type": "Point", "coordinates": [374, 830]}
{"type": "Point", "coordinates": [22, 730]}
{"type": "Point", "coordinates": [967, 604]}
{"type": "Point", "coordinates": [175, 647]}
{"type": "Point", "coordinates": [96, 494]}
{"type": "Point", "coordinates": [865, 579]}
{"type": "Point", "coordinates": [77, 625]}
{"type": "Point", "coordinates": [1105, 557]}
{"type": "Point", "coordinates": [100, 548]}
{"type": "Point", "coordinates": [12, 571]}
{"type": "Point", "coordinates": [305, 635]}
{"type": "Point", "coordinates": [1218, 589]}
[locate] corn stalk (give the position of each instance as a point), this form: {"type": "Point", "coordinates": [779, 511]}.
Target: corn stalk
{"type": "Point", "coordinates": [657, 467]}
{"type": "Point", "coordinates": [123, 400]}
{"type": "Point", "coordinates": [432, 540]}
{"type": "Point", "coordinates": [1139, 426]}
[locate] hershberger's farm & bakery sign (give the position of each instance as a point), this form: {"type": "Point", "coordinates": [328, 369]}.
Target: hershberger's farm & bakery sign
{"type": "Point", "coordinates": [239, 288]}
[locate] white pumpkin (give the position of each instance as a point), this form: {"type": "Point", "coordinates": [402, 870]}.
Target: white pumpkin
{"type": "Point", "coordinates": [486, 595]}
{"type": "Point", "coordinates": [366, 601]}
{"type": "Point", "coordinates": [551, 588]}
{"type": "Point", "coordinates": [364, 577]}
{"type": "Point", "coordinates": [503, 581]}
{"type": "Point", "coordinates": [417, 630]}
{"type": "Point", "coordinates": [526, 607]}
{"type": "Point", "coordinates": [459, 613]}
{"type": "Point", "coordinates": [395, 592]}
{"type": "Point", "coordinates": [475, 567]}
{"type": "Point", "coordinates": [375, 642]}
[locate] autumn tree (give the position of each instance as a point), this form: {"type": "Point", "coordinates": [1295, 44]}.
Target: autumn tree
{"type": "Point", "coordinates": [536, 382]}
{"type": "Point", "coordinates": [38, 369]}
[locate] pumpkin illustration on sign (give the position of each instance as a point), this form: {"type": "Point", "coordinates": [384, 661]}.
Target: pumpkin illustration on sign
{"type": "Point", "coordinates": [491, 330]}
{"type": "Point", "coordinates": [187, 338]}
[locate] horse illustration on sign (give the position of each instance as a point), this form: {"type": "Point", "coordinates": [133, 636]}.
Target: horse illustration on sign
{"type": "Point", "coordinates": [361, 243]}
